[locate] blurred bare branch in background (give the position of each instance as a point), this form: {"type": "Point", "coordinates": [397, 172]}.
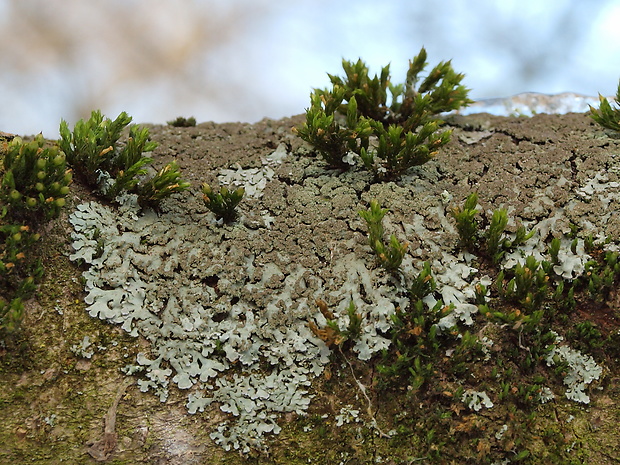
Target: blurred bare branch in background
{"type": "Point", "coordinates": [227, 60]}
{"type": "Point", "coordinates": [102, 54]}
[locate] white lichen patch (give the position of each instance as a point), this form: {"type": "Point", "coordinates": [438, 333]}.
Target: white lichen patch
{"type": "Point", "coordinates": [486, 345]}
{"type": "Point", "coordinates": [475, 400]}
{"type": "Point", "coordinates": [583, 370]}
{"type": "Point", "coordinates": [253, 180]}
{"type": "Point", "coordinates": [84, 349]}
{"type": "Point", "coordinates": [500, 434]}
{"type": "Point", "coordinates": [142, 276]}
{"type": "Point", "coordinates": [545, 395]}
{"type": "Point", "coordinates": [571, 264]}
{"type": "Point", "coordinates": [347, 414]}
{"type": "Point", "coordinates": [360, 286]}
{"type": "Point", "coordinates": [227, 326]}
{"type": "Point", "coordinates": [600, 183]}
{"type": "Point", "coordinates": [456, 281]}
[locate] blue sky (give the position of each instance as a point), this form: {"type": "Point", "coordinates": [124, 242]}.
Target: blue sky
{"type": "Point", "coordinates": [242, 60]}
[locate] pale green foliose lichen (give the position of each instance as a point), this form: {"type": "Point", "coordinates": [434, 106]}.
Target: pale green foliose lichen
{"type": "Point", "coordinates": [583, 370]}
{"type": "Point", "coordinates": [245, 345]}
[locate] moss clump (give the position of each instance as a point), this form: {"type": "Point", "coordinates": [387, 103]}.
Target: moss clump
{"type": "Point", "coordinates": [389, 134]}
{"type": "Point", "coordinates": [111, 168]}
{"type": "Point", "coordinates": [34, 182]}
